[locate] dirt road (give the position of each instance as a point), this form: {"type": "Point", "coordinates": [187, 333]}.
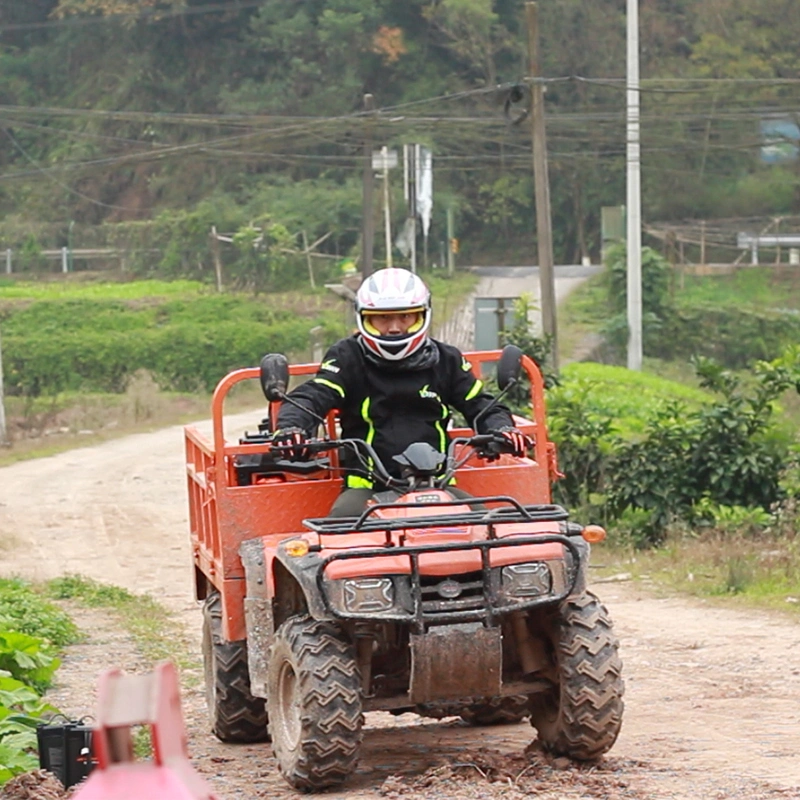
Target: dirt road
{"type": "Point", "coordinates": [712, 700]}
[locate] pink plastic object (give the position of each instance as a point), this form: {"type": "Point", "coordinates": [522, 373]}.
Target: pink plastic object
{"type": "Point", "coordinates": [153, 700]}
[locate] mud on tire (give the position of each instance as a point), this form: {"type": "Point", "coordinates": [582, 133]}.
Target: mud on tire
{"type": "Point", "coordinates": [315, 709]}
{"type": "Point", "coordinates": [235, 715]}
{"type": "Point", "coordinates": [582, 715]}
{"type": "Point", "coordinates": [499, 711]}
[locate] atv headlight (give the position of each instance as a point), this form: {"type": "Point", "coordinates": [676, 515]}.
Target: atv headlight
{"type": "Point", "coordinates": [527, 580]}
{"type": "Point", "coordinates": [368, 595]}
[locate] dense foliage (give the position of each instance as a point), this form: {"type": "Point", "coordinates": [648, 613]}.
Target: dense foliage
{"type": "Point", "coordinates": [655, 453]}
{"type": "Point", "coordinates": [31, 629]}
{"type": "Point", "coordinates": [140, 125]}
{"type": "Point", "coordinates": [186, 343]}
{"type": "Point", "coordinates": [734, 331]}
{"type": "Point", "coordinates": [680, 458]}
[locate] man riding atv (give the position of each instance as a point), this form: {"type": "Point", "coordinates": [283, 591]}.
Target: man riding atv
{"type": "Point", "coordinates": [393, 385]}
{"type": "Point", "coordinates": [421, 599]}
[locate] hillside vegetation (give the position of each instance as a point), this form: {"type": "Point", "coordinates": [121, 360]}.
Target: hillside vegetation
{"type": "Point", "coordinates": [139, 126]}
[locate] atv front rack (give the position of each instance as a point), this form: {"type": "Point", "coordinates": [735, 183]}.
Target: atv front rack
{"type": "Point", "coordinates": [518, 513]}
{"type": "Point", "coordinates": [487, 606]}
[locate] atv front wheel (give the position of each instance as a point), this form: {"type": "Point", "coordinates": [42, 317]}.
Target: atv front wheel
{"type": "Point", "coordinates": [581, 716]}
{"type": "Point", "coordinates": [498, 711]}
{"type": "Point", "coordinates": [235, 715]}
{"type": "Point", "coordinates": [314, 704]}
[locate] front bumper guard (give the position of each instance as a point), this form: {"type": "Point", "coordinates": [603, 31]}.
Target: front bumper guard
{"type": "Point", "coordinates": [495, 602]}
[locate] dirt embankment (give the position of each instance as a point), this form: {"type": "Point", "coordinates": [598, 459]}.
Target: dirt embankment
{"type": "Point", "coordinates": [712, 699]}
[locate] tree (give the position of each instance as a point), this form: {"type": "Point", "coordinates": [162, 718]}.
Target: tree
{"type": "Point", "coordinates": [110, 8]}
{"type": "Point", "coordinates": [473, 32]}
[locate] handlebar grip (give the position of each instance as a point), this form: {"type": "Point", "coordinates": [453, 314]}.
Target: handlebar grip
{"type": "Point", "coordinates": [481, 439]}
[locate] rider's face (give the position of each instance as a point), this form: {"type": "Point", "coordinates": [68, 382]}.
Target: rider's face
{"type": "Point", "coordinates": [394, 324]}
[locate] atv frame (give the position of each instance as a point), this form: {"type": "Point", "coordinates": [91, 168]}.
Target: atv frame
{"type": "Point", "coordinates": [424, 602]}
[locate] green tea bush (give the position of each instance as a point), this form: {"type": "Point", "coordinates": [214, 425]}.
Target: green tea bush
{"type": "Point", "coordinates": [54, 346]}
{"type": "Point", "coordinates": [669, 459]}
{"type": "Point", "coordinates": [736, 337]}
{"type": "Point", "coordinates": [729, 452]}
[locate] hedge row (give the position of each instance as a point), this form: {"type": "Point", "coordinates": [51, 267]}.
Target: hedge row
{"type": "Point", "coordinates": [736, 337]}
{"type": "Point", "coordinates": [183, 357]}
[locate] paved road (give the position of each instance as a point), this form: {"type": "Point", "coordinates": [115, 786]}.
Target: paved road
{"type": "Point", "coordinates": [509, 281]}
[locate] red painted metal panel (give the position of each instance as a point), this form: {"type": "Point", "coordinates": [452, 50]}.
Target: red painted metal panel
{"type": "Point", "coordinates": [222, 514]}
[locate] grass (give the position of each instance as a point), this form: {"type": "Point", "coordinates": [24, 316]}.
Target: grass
{"type": "Point", "coordinates": [15, 289]}
{"type": "Point", "coordinates": [580, 316]}
{"type": "Point", "coordinates": [30, 608]}
{"type": "Point", "coordinates": [734, 565]}
{"type": "Point", "coordinates": [25, 609]}
{"type": "Point", "coordinates": [629, 397]}
{"type": "Point", "coordinates": [46, 426]}
{"type": "Point", "coordinates": [756, 287]}
{"type": "Point", "coordinates": [55, 425]}
{"type": "Point", "coordinates": [157, 635]}
{"type": "Point", "coordinates": [753, 571]}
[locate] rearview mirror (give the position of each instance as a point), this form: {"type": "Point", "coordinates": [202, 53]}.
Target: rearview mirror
{"type": "Point", "coordinates": [509, 366]}
{"type": "Point", "coordinates": [274, 376]}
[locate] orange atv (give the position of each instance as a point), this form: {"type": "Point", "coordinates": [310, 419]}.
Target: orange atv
{"type": "Point", "coordinates": [427, 603]}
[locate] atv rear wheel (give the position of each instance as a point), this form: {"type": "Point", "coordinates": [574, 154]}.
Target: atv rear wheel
{"type": "Point", "coordinates": [582, 715]}
{"type": "Point", "coordinates": [235, 715]}
{"type": "Point", "coordinates": [315, 709]}
{"type": "Point", "coordinates": [499, 711]}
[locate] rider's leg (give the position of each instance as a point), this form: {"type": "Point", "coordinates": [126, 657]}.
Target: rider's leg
{"type": "Point", "coordinates": [351, 502]}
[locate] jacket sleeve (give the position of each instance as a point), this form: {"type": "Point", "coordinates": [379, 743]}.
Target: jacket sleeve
{"type": "Point", "coordinates": [467, 395]}
{"type": "Point", "coordinates": [325, 391]}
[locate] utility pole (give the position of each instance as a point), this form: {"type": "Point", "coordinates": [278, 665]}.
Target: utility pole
{"type": "Point", "coordinates": [3, 431]}
{"type": "Point", "coordinates": [386, 213]}
{"type": "Point", "coordinates": [367, 210]}
{"type": "Point", "coordinates": [410, 162]}
{"type": "Point", "coordinates": [634, 195]}
{"type": "Point", "coordinates": [451, 253]}
{"type": "Point", "coordinates": [541, 180]}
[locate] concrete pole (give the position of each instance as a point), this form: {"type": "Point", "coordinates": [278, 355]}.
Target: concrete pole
{"type": "Point", "coordinates": [541, 180]}
{"type": "Point", "coordinates": [367, 210]}
{"type": "Point", "coordinates": [8, 261]}
{"type": "Point", "coordinates": [413, 150]}
{"type": "Point", "coordinates": [634, 195]}
{"type": "Point", "coordinates": [386, 216]}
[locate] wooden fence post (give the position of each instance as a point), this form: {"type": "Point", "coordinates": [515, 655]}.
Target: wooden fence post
{"type": "Point", "coordinates": [216, 257]}
{"type": "Point", "coordinates": [3, 430]}
{"type": "Point", "coordinates": [308, 259]}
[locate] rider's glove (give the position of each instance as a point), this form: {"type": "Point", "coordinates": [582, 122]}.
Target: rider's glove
{"type": "Point", "coordinates": [295, 438]}
{"type": "Point", "coordinates": [515, 441]}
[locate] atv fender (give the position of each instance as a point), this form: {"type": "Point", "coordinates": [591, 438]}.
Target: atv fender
{"type": "Point", "coordinates": [582, 566]}
{"type": "Point", "coordinates": [264, 614]}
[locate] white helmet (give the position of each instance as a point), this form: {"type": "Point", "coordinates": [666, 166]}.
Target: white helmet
{"type": "Point", "coordinates": [393, 291]}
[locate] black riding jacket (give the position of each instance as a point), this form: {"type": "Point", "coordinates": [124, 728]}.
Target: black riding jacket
{"type": "Point", "coordinates": [392, 404]}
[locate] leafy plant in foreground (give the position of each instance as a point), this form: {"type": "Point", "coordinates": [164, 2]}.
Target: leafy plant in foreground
{"type": "Point", "coordinates": [726, 452]}
{"type": "Point", "coordinates": [21, 709]}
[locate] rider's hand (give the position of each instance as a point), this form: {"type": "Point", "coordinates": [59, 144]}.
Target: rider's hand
{"type": "Point", "coordinates": [295, 438]}
{"type": "Point", "coordinates": [515, 441]}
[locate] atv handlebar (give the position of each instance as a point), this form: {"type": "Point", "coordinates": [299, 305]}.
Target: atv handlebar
{"type": "Point", "coordinates": [487, 445]}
